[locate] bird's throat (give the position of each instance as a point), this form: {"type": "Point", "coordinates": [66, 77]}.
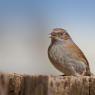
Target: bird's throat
{"type": "Point", "coordinates": [53, 40]}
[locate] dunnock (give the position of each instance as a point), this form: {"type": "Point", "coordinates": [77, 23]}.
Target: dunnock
{"type": "Point", "coordinates": [66, 56]}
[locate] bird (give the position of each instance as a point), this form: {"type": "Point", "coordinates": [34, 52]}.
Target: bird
{"type": "Point", "coordinates": [66, 56]}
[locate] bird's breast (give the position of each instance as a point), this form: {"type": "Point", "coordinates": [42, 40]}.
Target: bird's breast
{"type": "Point", "coordinates": [57, 53]}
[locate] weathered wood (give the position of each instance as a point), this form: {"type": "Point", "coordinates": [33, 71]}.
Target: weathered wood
{"type": "Point", "coordinates": [92, 85]}
{"type": "Point", "coordinates": [35, 85]}
{"type": "Point", "coordinates": [3, 84]}
{"type": "Point", "coordinates": [14, 84]}
{"type": "Point", "coordinates": [68, 85]}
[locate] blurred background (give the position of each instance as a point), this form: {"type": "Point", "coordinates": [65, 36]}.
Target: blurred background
{"type": "Point", "coordinates": [24, 29]}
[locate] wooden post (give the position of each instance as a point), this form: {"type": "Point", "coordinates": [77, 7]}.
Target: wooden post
{"type": "Point", "coordinates": [14, 84]}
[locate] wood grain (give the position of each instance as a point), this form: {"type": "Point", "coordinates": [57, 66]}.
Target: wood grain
{"type": "Point", "coordinates": [15, 84]}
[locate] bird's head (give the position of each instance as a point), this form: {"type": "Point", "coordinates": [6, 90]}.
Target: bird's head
{"type": "Point", "coordinates": [59, 34]}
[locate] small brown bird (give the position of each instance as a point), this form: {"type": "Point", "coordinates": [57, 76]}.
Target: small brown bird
{"type": "Point", "coordinates": [66, 56]}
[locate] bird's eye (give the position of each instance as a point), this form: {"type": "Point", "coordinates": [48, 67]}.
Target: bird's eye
{"type": "Point", "coordinates": [61, 33]}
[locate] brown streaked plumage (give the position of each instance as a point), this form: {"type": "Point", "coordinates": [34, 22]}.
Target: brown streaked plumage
{"type": "Point", "coordinates": [65, 55]}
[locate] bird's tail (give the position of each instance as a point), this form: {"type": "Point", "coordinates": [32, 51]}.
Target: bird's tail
{"type": "Point", "coordinates": [88, 72]}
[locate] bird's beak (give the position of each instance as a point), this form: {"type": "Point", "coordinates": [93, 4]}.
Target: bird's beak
{"type": "Point", "coordinates": [52, 35]}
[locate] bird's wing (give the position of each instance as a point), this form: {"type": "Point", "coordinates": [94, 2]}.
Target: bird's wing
{"type": "Point", "coordinates": [77, 53]}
